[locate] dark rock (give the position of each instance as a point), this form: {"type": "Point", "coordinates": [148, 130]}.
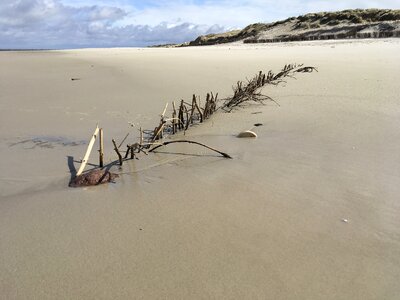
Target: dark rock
{"type": "Point", "coordinates": [94, 177]}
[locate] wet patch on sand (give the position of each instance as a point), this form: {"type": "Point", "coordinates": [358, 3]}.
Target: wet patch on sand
{"type": "Point", "coordinates": [47, 142]}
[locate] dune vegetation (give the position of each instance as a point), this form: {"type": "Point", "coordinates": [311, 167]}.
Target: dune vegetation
{"type": "Point", "coordinates": [357, 23]}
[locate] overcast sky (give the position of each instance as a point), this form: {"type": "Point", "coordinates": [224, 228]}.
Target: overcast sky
{"type": "Point", "coordinates": [117, 23]}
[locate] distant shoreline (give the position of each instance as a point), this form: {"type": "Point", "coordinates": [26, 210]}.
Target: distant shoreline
{"type": "Point", "coordinates": [21, 50]}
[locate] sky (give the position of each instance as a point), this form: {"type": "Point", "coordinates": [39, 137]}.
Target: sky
{"type": "Point", "coordinates": [58, 24]}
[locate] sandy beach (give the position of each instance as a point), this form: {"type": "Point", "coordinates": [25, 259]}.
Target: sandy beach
{"type": "Point", "coordinates": [308, 210]}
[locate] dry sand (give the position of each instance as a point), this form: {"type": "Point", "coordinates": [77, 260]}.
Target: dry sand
{"type": "Point", "coordinates": [266, 225]}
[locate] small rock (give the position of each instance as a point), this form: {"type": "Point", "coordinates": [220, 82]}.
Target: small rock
{"type": "Point", "coordinates": [345, 221]}
{"type": "Point", "coordinates": [247, 134]}
{"type": "Point", "coordinates": [258, 124]}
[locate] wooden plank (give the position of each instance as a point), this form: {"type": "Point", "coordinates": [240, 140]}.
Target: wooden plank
{"type": "Point", "coordinates": [87, 154]}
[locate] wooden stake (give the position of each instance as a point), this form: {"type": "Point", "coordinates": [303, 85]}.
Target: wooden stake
{"type": "Point", "coordinates": [87, 154]}
{"type": "Point", "coordinates": [165, 109]}
{"type": "Point", "coordinates": [206, 111]}
{"type": "Point", "coordinates": [128, 148]}
{"type": "Point", "coordinates": [198, 109]}
{"type": "Point", "coordinates": [181, 117]}
{"type": "Point", "coordinates": [117, 151]}
{"type": "Point", "coordinates": [259, 79]}
{"type": "Point", "coordinates": [158, 132]}
{"type": "Point", "coordinates": [173, 118]}
{"type": "Point", "coordinates": [187, 118]}
{"type": "Point", "coordinates": [101, 151]}
{"type": "Point", "coordinates": [192, 111]}
{"type": "Point", "coordinates": [132, 151]}
{"type": "Point", "coordinates": [215, 102]}
{"type": "Point", "coordinates": [141, 136]}
{"type": "Point", "coordinates": [173, 122]}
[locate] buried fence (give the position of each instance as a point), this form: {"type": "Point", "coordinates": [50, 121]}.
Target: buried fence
{"type": "Point", "coordinates": [182, 118]}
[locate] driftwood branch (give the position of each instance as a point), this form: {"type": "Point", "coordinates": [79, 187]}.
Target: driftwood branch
{"type": "Point", "coordinates": [190, 142]}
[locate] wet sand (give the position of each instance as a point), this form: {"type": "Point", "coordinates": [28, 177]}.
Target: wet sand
{"type": "Point", "coordinates": [308, 210]}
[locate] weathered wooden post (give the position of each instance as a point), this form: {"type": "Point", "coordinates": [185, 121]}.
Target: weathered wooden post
{"type": "Point", "coordinates": [181, 124]}
{"type": "Point", "coordinates": [173, 118]}
{"type": "Point", "coordinates": [215, 102]}
{"type": "Point", "coordinates": [259, 79]}
{"type": "Point", "coordinates": [141, 136]}
{"type": "Point", "coordinates": [192, 110]}
{"type": "Point", "coordinates": [198, 109]}
{"type": "Point", "coordinates": [101, 151]}
{"type": "Point", "coordinates": [132, 151]}
{"type": "Point", "coordinates": [206, 112]}
{"type": "Point", "coordinates": [187, 117]}
{"type": "Point", "coordinates": [128, 149]}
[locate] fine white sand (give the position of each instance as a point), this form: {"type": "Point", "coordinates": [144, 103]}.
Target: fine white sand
{"type": "Point", "coordinates": [308, 210]}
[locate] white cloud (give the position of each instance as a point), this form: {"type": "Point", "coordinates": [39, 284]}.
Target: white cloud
{"type": "Point", "coordinates": [52, 24]}
{"type": "Point", "coordinates": [239, 13]}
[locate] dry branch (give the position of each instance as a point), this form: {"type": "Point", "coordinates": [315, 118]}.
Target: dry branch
{"type": "Point", "coordinates": [250, 91]}
{"type": "Point", "coordinates": [119, 146]}
{"type": "Point", "coordinates": [190, 142]}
